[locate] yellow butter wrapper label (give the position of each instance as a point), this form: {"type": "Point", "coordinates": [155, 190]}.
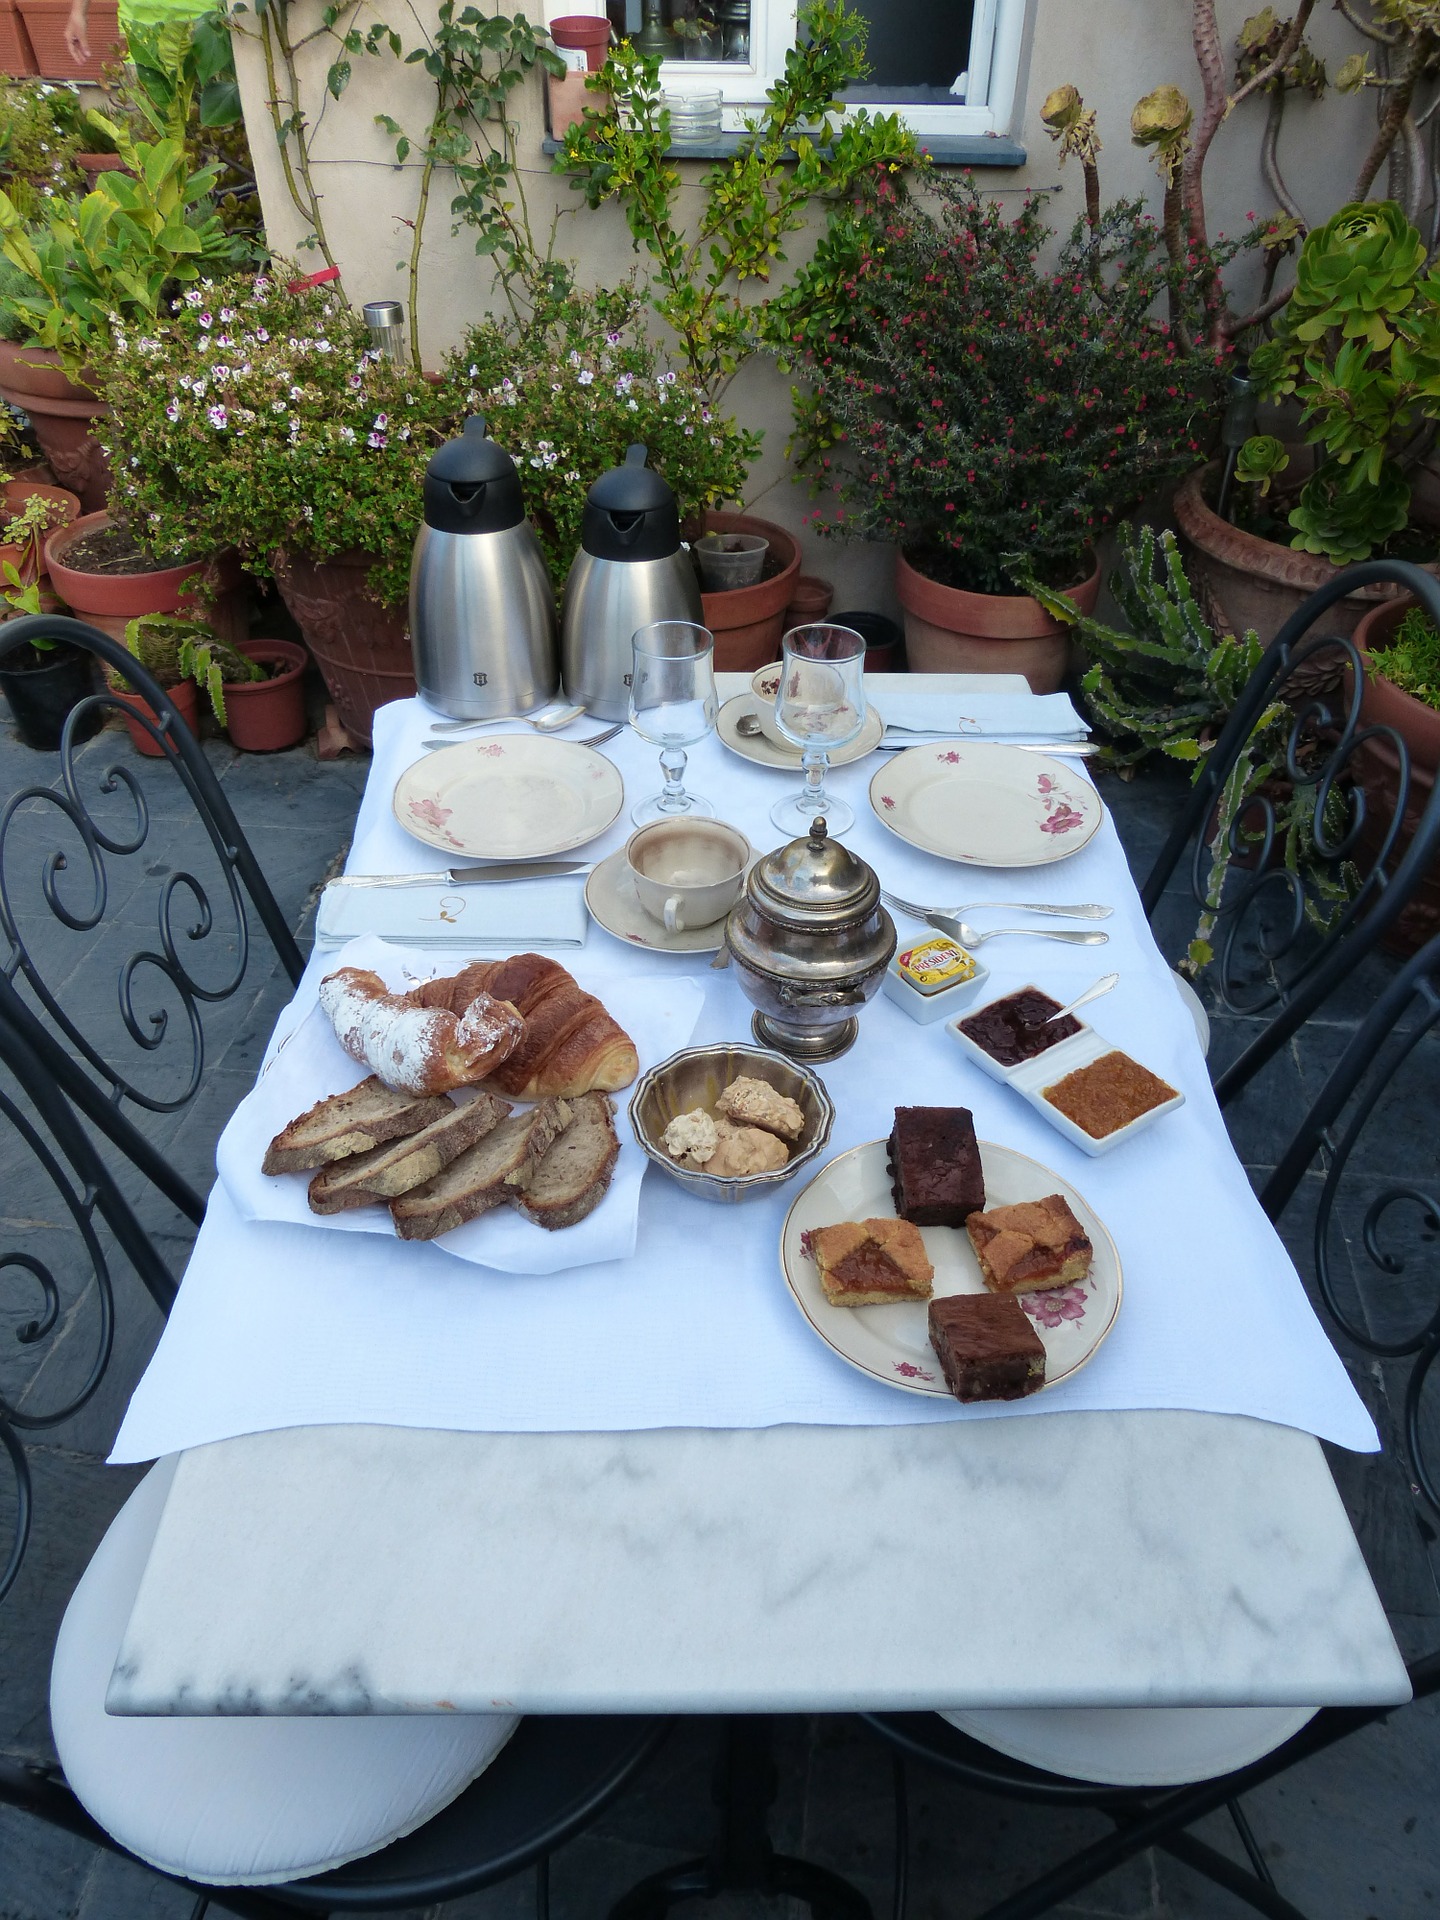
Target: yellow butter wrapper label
{"type": "Point", "coordinates": [934, 964]}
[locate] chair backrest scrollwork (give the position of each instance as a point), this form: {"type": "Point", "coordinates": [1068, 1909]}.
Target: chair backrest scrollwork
{"type": "Point", "coordinates": [129, 1032]}
{"type": "Point", "coordinates": [1312, 804]}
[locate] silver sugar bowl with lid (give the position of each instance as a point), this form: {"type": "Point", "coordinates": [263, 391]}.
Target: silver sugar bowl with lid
{"type": "Point", "coordinates": [810, 942]}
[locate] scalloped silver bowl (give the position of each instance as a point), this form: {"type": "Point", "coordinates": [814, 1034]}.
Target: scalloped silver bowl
{"type": "Point", "coordinates": [696, 1077]}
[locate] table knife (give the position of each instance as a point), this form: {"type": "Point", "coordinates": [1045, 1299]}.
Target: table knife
{"type": "Point", "coordinates": [467, 876]}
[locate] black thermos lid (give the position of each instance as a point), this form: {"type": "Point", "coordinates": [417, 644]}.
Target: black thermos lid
{"type": "Point", "coordinates": [471, 485]}
{"type": "Point", "coordinates": [630, 513]}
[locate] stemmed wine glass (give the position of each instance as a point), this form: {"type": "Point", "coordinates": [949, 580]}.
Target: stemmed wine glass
{"type": "Point", "coordinates": [819, 705]}
{"type": "Point", "coordinates": [672, 703]}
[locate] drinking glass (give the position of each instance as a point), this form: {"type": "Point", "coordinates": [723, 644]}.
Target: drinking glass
{"type": "Point", "coordinates": [820, 704]}
{"type": "Point", "coordinates": [672, 703]}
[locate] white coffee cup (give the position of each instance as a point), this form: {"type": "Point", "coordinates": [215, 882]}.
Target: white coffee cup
{"type": "Point", "coordinates": [764, 685]}
{"type": "Point", "coordinates": [687, 873]}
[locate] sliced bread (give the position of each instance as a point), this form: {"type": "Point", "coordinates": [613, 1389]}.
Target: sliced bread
{"type": "Point", "coordinates": [480, 1178]}
{"type": "Point", "coordinates": [574, 1175]}
{"type": "Point", "coordinates": [347, 1123]}
{"type": "Point", "coordinates": [385, 1171]}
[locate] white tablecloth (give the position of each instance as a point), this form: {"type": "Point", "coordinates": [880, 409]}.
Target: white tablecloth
{"type": "Point", "coordinates": [287, 1325]}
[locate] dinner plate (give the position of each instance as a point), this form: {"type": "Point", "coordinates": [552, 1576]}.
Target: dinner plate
{"type": "Point", "coordinates": [519, 798]}
{"type": "Point", "coordinates": [615, 905]}
{"type": "Point", "coordinates": [764, 753]}
{"type": "Point", "coordinates": [892, 1343]}
{"type": "Point", "coordinates": [986, 805]}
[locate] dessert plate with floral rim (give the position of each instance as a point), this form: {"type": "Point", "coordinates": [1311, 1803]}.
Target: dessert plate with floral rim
{"type": "Point", "coordinates": [519, 798]}
{"type": "Point", "coordinates": [892, 1343]}
{"type": "Point", "coordinates": [986, 805]}
{"type": "Point", "coordinates": [764, 753]}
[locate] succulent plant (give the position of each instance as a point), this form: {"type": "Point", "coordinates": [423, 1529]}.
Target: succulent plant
{"type": "Point", "coordinates": [1345, 519]}
{"type": "Point", "coordinates": [1162, 120]}
{"type": "Point", "coordinates": [1357, 272]}
{"type": "Point", "coordinates": [1261, 460]}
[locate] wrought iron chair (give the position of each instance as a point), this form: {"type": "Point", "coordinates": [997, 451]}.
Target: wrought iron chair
{"type": "Point", "coordinates": [1271, 958]}
{"type": "Point", "coordinates": [556, 1774]}
{"type": "Point", "coordinates": [1401, 1019]}
{"type": "Point", "coordinates": [152, 1058]}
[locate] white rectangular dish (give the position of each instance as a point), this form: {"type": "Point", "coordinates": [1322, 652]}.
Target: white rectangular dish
{"type": "Point", "coordinates": [1031, 1077]}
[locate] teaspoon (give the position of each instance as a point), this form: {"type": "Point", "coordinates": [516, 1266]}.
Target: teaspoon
{"type": "Point", "coordinates": [1102, 985]}
{"type": "Point", "coordinates": [967, 936]}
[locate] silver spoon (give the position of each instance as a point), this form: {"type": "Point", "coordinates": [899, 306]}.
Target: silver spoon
{"type": "Point", "coordinates": [545, 723]}
{"type": "Point", "coordinates": [1102, 985]}
{"type": "Point", "coordinates": [748, 727]}
{"type": "Point", "coordinates": [967, 936]}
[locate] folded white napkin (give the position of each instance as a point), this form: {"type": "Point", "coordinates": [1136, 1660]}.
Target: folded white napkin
{"type": "Point", "coordinates": [511, 916]}
{"type": "Point", "coordinates": [658, 1011]}
{"type": "Point", "coordinates": [989, 716]}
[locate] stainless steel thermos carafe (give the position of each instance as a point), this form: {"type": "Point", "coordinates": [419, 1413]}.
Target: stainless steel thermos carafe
{"type": "Point", "coordinates": [630, 570]}
{"type": "Point", "coordinates": [482, 612]}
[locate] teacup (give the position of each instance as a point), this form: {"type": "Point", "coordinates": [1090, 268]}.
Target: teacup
{"type": "Point", "coordinates": [765, 684]}
{"type": "Point", "coordinates": [687, 873]}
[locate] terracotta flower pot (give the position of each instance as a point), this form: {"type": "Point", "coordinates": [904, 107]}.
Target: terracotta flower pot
{"type": "Point", "coordinates": [810, 599]}
{"type": "Point", "coordinates": [63, 416]}
{"type": "Point", "coordinates": [748, 622]}
{"type": "Point", "coordinates": [45, 24]}
{"type": "Point", "coordinates": [1377, 767]}
{"type": "Point", "coordinates": [361, 646]}
{"type": "Point", "coordinates": [184, 697]}
{"type": "Point", "coordinates": [93, 163]}
{"type": "Point", "coordinates": [17, 56]}
{"type": "Point", "coordinates": [264, 716]}
{"type": "Point", "coordinates": [13, 496]}
{"type": "Point", "coordinates": [583, 31]}
{"type": "Point", "coordinates": [950, 631]}
{"type": "Point", "coordinates": [1259, 583]}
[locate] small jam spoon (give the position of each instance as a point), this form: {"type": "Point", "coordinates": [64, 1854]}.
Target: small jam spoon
{"type": "Point", "coordinates": [1102, 985]}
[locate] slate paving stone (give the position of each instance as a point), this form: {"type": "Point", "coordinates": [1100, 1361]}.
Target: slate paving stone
{"type": "Point", "coordinates": [1337, 1833]}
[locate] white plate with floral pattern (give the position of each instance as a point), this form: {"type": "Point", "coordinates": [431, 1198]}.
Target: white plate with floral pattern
{"type": "Point", "coordinates": [520, 798]}
{"type": "Point", "coordinates": [986, 805]}
{"type": "Point", "coordinates": [892, 1343]}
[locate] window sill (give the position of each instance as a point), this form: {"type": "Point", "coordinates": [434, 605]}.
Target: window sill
{"type": "Point", "coordinates": [946, 150]}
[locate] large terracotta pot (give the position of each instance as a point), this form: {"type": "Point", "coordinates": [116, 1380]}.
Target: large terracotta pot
{"type": "Point", "coordinates": [1259, 583]}
{"type": "Point", "coordinates": [17, 56]}
{"type": "Point", "coordinates": [45, 24]}
{"type": "Point", "coordinates": [109, 600]}
{"type": "Point", "coordinates": [13, 497]}
{"type": "Point", "coordinates": [748, 622]}
{"type": "Point", "coordinates": [361, 646]}
{"type": "Point", "coordinates": [1377, 767]}
{"type": "Point", "coordinates": [950, 631]}
{"type": "Point", "coordinates": [264, 716]}
{"type": "Point", "coordinates": [63, 415]}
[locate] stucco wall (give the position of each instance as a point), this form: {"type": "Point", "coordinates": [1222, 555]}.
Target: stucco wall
{"type": "Point", "coordinates": [1113, 50]}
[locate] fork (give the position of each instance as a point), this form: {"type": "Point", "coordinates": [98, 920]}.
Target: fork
{"type": "Point", "coordinates": [591, 740]}
{"type": "Point", "coordinates": [916, 912]}
{"type": "Point", "coordinates": [964, 935]}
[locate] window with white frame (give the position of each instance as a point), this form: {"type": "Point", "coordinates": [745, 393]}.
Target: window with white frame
{"type": "Point", "coordinates": [950, 66]}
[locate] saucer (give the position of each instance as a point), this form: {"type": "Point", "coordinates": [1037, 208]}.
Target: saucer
{"type": "Point", "coordinates": [614, 905]}
{"type": "Point", "coordinates": [763, 753]}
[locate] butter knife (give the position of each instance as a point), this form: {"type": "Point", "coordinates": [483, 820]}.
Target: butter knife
{"type": "Point", "coordinates": [467, 876]}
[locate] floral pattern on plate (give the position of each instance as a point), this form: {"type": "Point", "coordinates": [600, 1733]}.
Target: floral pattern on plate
{"type": "Point", "coordinates": [525, 797]}
{"type": "Point", "coordinates": [986, 804]}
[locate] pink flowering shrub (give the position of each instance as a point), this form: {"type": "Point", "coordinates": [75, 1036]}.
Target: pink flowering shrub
{"type": "Point", "coordinates": [970, 404]}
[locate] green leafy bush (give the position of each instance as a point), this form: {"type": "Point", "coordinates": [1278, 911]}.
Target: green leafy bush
{"type": "Point", "coordinates": [970, 403]}
{"type": "Point", "coordinates": [1411, 658]}
{"type": "Point", "coordinates": [1358, 346]}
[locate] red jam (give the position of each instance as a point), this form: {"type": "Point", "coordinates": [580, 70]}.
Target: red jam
{"type": "Point", "coordinates": [1013, 1029]}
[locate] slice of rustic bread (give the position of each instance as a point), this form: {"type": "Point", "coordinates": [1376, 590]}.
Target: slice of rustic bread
{"type": "Point", "coordinates": [349, 1123]}
{"type": "Point", "coordinates": [574, 1176]}
{"type": "Point", "coordinates": [480, 1178]}
{"type": "Point", "coordinates": [397, 1167]}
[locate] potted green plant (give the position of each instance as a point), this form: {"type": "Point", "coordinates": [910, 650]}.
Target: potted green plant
{"type": "Point", "coordinates": [44, 679]}
{"type": "Point", "coordinates": [1357, 347]}
{"type": "Point", "coordinates": [109, 576]}
{"type": "Point", "coordinates": [29, 512]}
{"type": "Point", "coordinates": [1401, 650]}
{"type": "Point", "coordinates": [971, 404]}
{"type": "Point", "coordinates": [256, 689]}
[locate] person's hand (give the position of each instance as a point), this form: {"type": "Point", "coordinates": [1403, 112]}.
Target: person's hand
{"type": "Point", "coordinates": [75, 31]}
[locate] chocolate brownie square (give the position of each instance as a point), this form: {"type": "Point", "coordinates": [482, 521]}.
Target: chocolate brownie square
{"type": "Point", "coordinates": [986, 1346]}
{"type": "Point", "coordinates": [935, 1170]}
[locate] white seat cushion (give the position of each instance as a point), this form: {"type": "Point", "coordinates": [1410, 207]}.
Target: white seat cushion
{"type": "Point", "coordinates": [1133, 1746]}
{"type": "Point", "coordinates": [239, 1800]}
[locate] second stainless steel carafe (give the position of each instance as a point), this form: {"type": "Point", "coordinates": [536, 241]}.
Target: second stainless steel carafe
{"type": "Point", "coordinates": [630, 571]}
{"type": "Point", "coordinates": [482, 611]}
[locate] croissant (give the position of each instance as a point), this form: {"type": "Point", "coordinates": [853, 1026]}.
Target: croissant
{"type": "Point", "coordinates": [417, 1048]}
{"type": "Point", "coordinates": [570, 1046]}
